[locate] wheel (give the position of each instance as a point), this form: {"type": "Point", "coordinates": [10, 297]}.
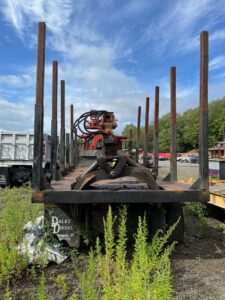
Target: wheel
{"type": "Point", "coordinates": [174, 212]}
{"type": "Point", "coordinates": [157, 220]}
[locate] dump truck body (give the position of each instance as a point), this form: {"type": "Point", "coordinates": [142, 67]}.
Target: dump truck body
{"type": "Point", "coordinates": [16, 156]}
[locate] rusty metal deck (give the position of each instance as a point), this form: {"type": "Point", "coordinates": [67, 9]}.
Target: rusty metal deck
{"type": "Point", "coordinates": [61, 192]}
{"type": "Point", "coordinates": [65, 183]}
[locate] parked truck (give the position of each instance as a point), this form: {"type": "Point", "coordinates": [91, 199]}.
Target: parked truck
{"type": "Point", "coordinates": [16, 157]}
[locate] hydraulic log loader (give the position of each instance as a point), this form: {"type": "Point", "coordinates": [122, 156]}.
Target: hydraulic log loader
{"type": "Point", "coordinates": [82, 197]}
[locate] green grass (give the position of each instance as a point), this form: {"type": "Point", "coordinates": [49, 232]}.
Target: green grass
{"type": "Point", "coordinates": [16, 210]}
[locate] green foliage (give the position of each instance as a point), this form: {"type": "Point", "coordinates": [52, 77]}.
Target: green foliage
{"type": "Point", "coordinates": [109, 275]}
{"type": "Point", "coordinates": [16, 211]}
{"type": "Point", "coordinates": [201, 215]}
{"type": "Point", "coordinates": [7, 293]}
{"type": "Point", "coordinates": [61, 282]}
{"type": "Point", "coordinates": [88, 280]}
{"type": "Point", "coordinates": [222, 226]}
{"type": "Point", "coordinates": [187, 128]}
{"type": "Point", "coordinates": [42, 287]}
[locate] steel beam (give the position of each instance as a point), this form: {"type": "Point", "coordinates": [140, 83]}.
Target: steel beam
{"type": "Point", "coordinates": [146, 137]}
{"type": "Point", "coordinates": [138, 133]}
{"type": "Point", "coordinates": [71, 155]}
{"type": "Point", "coordinates": [122, 196]}
{"type": "Point", "coordinates": [37, 177]}
{"type": "Point", "coordinates": [203, 125]}
{"type": "Point", "coordinates": [62, 131]}
{"type": "Point", "coordinates": [156, 133]}
{"type": "Point", "coordinates": [54, 120]}
{"type": "Point", "coordinates": [173, 126]}
{"type": "Point", "coordinates": [67, 148]}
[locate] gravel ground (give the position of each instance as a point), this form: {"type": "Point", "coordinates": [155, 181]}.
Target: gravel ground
{"type": "Point", "coordinates": [184, 170]}
{"type": "Point", "coordinates": [199, 264]}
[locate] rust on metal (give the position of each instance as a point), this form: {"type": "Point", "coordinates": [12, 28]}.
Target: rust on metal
{"type": "Point", "coordinates": [138, 133]}
{"type": "Point", "coordinates": [125, 196]}
{"type": "Point", "coordinates": [54, 120]}
{"type": "Point", "coordinates": [37, 197]}
{"type": "Point", "coordinates": [71, 155]}
{"type": "Point", "coordinates": [203, 125]}
{"type": "Point", "coordinates": [62, 104]}
{"type": "Point", "coordinates": [173, 141]}
{"type": "Point", "coordinates": [156, 132]}
{"type": "Point", "coordinates": [37, 180]}
{"type": "Point", "coordinates": [40, 64]}
{"type": "Point", "coordinates": [146, 137]}
{"type": "Point", "coordinates": [62, 130]}
{"type": "Point", "coordinates": [71, 121]}
{"type": "Point", "coordinates": [54, 88]}
{"type": "Point", "coordinates": [67, 147]}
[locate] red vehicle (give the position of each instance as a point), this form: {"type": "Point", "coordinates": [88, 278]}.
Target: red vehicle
{"type": "Point", "coordinates": [164, 156]}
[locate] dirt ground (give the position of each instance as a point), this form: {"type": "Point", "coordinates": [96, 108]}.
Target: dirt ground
{"type": "Point", "coordinates": [199, 264]}
{"type": "Point", "coordinates": [198, 267]}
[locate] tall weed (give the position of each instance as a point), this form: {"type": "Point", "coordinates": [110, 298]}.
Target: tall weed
{"type": "Point", "coordinates": [16, 211]}
{"type": "Point", "coordinates": [109, 275]}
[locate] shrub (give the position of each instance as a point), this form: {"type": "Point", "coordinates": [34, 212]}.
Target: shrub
{"type": "Point", "coordinates": [109, 275]}
{"type": "Point", "coordinates": [16, 211]}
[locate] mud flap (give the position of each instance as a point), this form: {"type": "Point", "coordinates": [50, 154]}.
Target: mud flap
{"type": "Point", "coordinates": [58, 222]}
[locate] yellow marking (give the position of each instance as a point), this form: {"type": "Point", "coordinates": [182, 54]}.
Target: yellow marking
{"type": "Point", "coordinates": [217, 200]}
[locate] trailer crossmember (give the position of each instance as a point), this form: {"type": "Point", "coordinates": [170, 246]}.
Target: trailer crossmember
{"type": "Point", "coordinates": [123, 196]}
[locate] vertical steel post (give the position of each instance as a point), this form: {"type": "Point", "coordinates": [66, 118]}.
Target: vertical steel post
{"type": "Point", "coordinates": [173, 125]}
{"type": "Point", "coordinates": [138, 133]}
{"type": "Point", "coordinates": [67, 148]}
{"type": "Point", "coordinates": [54, 120]}
{"type": "Point", "coordinates": [76, 148]}
{"type": "Point", "coordinates": [130, 141]}
{"type": "Point", "coordinates": [37, 177]}
{"type": "Point", "coordinates": [62, 131]}
{"type": "Point", "coordinates": [203, 126]}
{"type": "Point", "coordinates": [146, 137]}
{"type": "Point", "coordinates": [71, 156]}
{"type": "Point", "coordinates": [156, 132]}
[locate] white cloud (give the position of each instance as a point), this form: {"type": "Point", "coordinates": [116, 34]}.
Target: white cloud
{"type": "Point", "coordinates": [21, 81]}
{"type": "Point", "coordinates": [217, 62]}
{"type": "Point", "coordinates": [22, 14]}
{"type": "Point", "coordinates": [178, 28]}
{"type": "Point", "coordinates": [16, 116]}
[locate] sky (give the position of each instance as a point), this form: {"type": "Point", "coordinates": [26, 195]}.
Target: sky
{"type": "Point", "coordinates": [111, 53]}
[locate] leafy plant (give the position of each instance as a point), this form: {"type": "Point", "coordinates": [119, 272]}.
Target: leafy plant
{"type": "Point", "coordinates": [16, 211]}
{"type": "Point", "coordinates": [110, 275]}
{"type": "Point", "coordinates": [199, 212]}
{"type": "Point", "coordinates": [7, 293]}
{"type": "Point", "coordinates": [42, 287]}
{"type": "Point", "coordinates": [222, 226]}
{"type": "Point", "coordinates": [61, 281]}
